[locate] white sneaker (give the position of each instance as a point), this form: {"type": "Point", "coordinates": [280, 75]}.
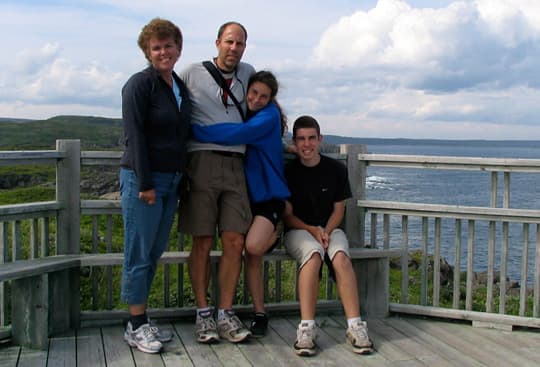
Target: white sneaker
{"type": "Point", "coordinates": [163, 335]}
{"type": "Point", "coordinates": [206, 330]}
{"type": "Point", "coordinates": [358, 337]}
{"type": "Point", "coordinates": [143, 338]}
{"type": "Point", "coordinates": [305, 340]}
{"type": "Point", "coordinates": [231, 328]}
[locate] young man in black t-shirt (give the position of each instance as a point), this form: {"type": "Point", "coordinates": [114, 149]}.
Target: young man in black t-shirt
{"type": "Point", "coordinates": [319, 186]}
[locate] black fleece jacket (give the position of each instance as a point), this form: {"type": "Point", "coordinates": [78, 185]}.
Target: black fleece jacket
{"type": "Point", "coordinates": [155, 131]}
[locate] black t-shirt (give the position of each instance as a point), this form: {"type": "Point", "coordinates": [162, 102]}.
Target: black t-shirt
{"type": "Point", "coordinates": [314, 190]}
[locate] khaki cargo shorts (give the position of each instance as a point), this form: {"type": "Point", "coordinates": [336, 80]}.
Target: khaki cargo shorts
{"type": "Point", "coordinates": [216, 195]}
{"type": "Point", "coordinates": [301, 245]}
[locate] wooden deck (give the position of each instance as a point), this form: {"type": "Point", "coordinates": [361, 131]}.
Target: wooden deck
{"type": "Point", "coordinates": [399, 341]}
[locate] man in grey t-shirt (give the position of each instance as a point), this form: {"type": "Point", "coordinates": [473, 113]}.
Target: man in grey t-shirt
{"type": "Point", "coordinates": [217, 194]}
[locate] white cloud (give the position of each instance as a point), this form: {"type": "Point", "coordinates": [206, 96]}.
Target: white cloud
{"type": "Point", "coordinates": [415, 68]}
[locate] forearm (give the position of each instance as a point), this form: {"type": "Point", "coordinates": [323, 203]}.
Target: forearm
{"type": "Point", "coordinates": [335, 218]}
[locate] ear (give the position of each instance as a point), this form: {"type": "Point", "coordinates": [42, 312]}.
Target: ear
{"type": "Point", "coordinates": [320, 138]}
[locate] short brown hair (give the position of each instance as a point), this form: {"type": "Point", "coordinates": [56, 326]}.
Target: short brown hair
{"type": "Point", "coordinates": [225, 25]}
{"type": "Point", "coordinates": [160, 29]}
{"type": "Point", "coordinates": [306, 122]}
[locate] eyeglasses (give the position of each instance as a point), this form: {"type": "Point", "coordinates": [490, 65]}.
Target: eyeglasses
{"type": "Point", "coordinates": [237, 88]}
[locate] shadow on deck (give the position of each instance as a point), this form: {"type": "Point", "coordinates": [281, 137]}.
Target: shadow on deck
{"type": "Point", "coordinates": [403, 341]}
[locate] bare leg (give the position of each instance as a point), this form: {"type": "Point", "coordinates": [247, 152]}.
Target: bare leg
{"type": "Point", "coordinates": [135, 310]}
{"type": "Point", "coordinates": [308, 286]}
{"type": "Point", "coordinates": [260, 237]}
{"type": "Point", "coordinates": [230, 265]}
{"type": "Point", "coordinates": [346, 285]}
{"type": "Point", "coordinates": [199, 268]}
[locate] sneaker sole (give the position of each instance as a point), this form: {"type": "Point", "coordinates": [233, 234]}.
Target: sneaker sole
{"type": "Point", "coordinates": [237, 339]}
{"type": "Point", "coordinates": [208, 340]}
{"type": "Point", "coordinates": [133, 344]}
{"type": "Point", "coordinates": [305, 352]}
{"type": "Point", "coordinates": [363, 350]}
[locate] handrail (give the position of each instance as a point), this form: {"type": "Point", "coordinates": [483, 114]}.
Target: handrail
{"type": "Point", "coordinates": [452, 211]}
{"type": "Point", "coordinates": [452, 163]}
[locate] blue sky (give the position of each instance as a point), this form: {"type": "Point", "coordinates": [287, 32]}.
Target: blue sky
{"type": "Point", "coordinates": [387, 68]}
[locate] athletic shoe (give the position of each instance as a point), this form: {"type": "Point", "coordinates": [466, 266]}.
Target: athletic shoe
{"type": "Point", "coordinates": [143, 338]}
{"type": "Point", "coordinates": [206, 330]}
{"type": "Point", "coordinates": [358, 337]}
{"type": "Point", "coordinates": [163, 335]}
{"type": "Point", "coordinates": [259, 324]}
{"type": "Point", "coordinates": [231, 328]}
{"type": "Point", "coordinates": [305, 340]}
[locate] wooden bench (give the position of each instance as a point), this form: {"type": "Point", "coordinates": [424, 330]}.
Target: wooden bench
{"type": "Point", "coordinates": [42, 294]}
{"type": "Point", "coordinates": [42, 289]}
{"type": "Point", "coordinates": [371, 267]}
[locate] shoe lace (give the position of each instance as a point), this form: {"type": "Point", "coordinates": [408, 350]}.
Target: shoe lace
{"type": "Point", "coordinates": [305, 334]}
{"type": "Point", "coordinates": [206, 324]}
{"type": "Point", "coordinates": [148, 333]}
{"type": "Point", "coordinates": [359, 331]}
{"type": "Point", "coordinates": [154, 330]}
{"type": "Point", "coordinates": [235, 321]}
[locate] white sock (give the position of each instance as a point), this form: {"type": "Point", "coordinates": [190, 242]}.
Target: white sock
{"type": "Point", "coordinates": [204, 312]}
{"type": "Point", "coordinates": [354, 320]}
{"type": "Point", "coordinates": [307, 324]}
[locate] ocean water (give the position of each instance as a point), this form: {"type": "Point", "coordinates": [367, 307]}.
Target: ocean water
{"type": "Point", "coordinates": [458, 188]}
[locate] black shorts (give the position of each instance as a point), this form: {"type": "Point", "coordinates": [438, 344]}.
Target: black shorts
{"type": "Point", "coordinates": [271, 210]}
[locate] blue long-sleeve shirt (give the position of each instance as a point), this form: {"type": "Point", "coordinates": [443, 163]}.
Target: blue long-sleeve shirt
{"type": "Point", "coordinates": [264, 155]}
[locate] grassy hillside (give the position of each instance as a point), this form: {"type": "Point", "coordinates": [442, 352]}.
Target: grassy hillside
{"type": "Point", "coordinates": [94, 132]}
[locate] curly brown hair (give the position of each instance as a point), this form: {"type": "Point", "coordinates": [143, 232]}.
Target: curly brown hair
{"type": "Point", "coordinates": [160, 29]}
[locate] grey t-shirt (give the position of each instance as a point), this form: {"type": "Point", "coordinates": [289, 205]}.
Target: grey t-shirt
{"type": "Point", "coordinates": [206, 98]}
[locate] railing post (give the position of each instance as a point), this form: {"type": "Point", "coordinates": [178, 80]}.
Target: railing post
{"type": "Point", "coordinates": [372, 275]}
{"type": "Point", "coordinates": [68, 178]}
{"type": "Point", "coordinates": [354, 215]}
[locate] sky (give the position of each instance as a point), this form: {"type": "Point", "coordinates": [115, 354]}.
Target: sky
{"type": "Point", "coordinates": [426, 69]}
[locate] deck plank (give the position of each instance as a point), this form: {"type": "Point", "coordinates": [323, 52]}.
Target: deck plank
{"type": "Point", "coordinates": [32, 358]}
{"type": "Point", "coordinates": [143, 359]}
{"type": "Point", "coordinates": [174, 353]}
{"type": "Point", "coordinates": [9, 356]}
{"type": "Point", "coordinates": [287, 328]}
{"type": "Point", "coordinates": [117, 352]}
{"type": "Point", "coordinates": [200, 354]}
{"type": "Point", "coordinates": [62, 350]}
{"type": "Point", "coordinates": [230, 354]}
{"type": "Point", "coordinates": [499, 343]}
{"type": "Point", "coordinates": [443, 331]}
{"type": "Point", "coordinates": [279, 347]}
{"type": "Point", "coordinates": [90, 348]}
{"type": "Point", "coordinates": [257, 354]}
{"type": "Point", "coordinates": [334, 327]}
{"type": "Point", "coordinates": [400, 341]}
{"type": "Point", "coordinates": [450, 354]}
{"type": "Point", "coordinates": [420, 352]}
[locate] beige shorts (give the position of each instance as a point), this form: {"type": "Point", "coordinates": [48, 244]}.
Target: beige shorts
{"type": "Point", "coordinates": [216, 195]}
{"type": "Point", "coordinates": [301, 245]}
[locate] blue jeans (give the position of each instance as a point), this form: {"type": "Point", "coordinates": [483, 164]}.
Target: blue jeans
{"type": "Point", "coordinates": [146, 231]}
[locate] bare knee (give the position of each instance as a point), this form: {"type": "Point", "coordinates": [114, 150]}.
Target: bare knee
{"type": "Point", "coordinates": [233, 243]}
{"type": "Point", "coordinates": [255, 249]}
{"type": "Point", "coordinates": [341, 262]}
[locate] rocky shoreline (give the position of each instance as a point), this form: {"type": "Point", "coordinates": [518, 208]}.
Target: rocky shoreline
{"type": "Point", "coordinates": [480, 279]}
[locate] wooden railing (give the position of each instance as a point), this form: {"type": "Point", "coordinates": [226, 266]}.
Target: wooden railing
{"type": "Point", "coordinates": [382, 213]}
{"type": "Point", "coordinates": [91, 231]}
